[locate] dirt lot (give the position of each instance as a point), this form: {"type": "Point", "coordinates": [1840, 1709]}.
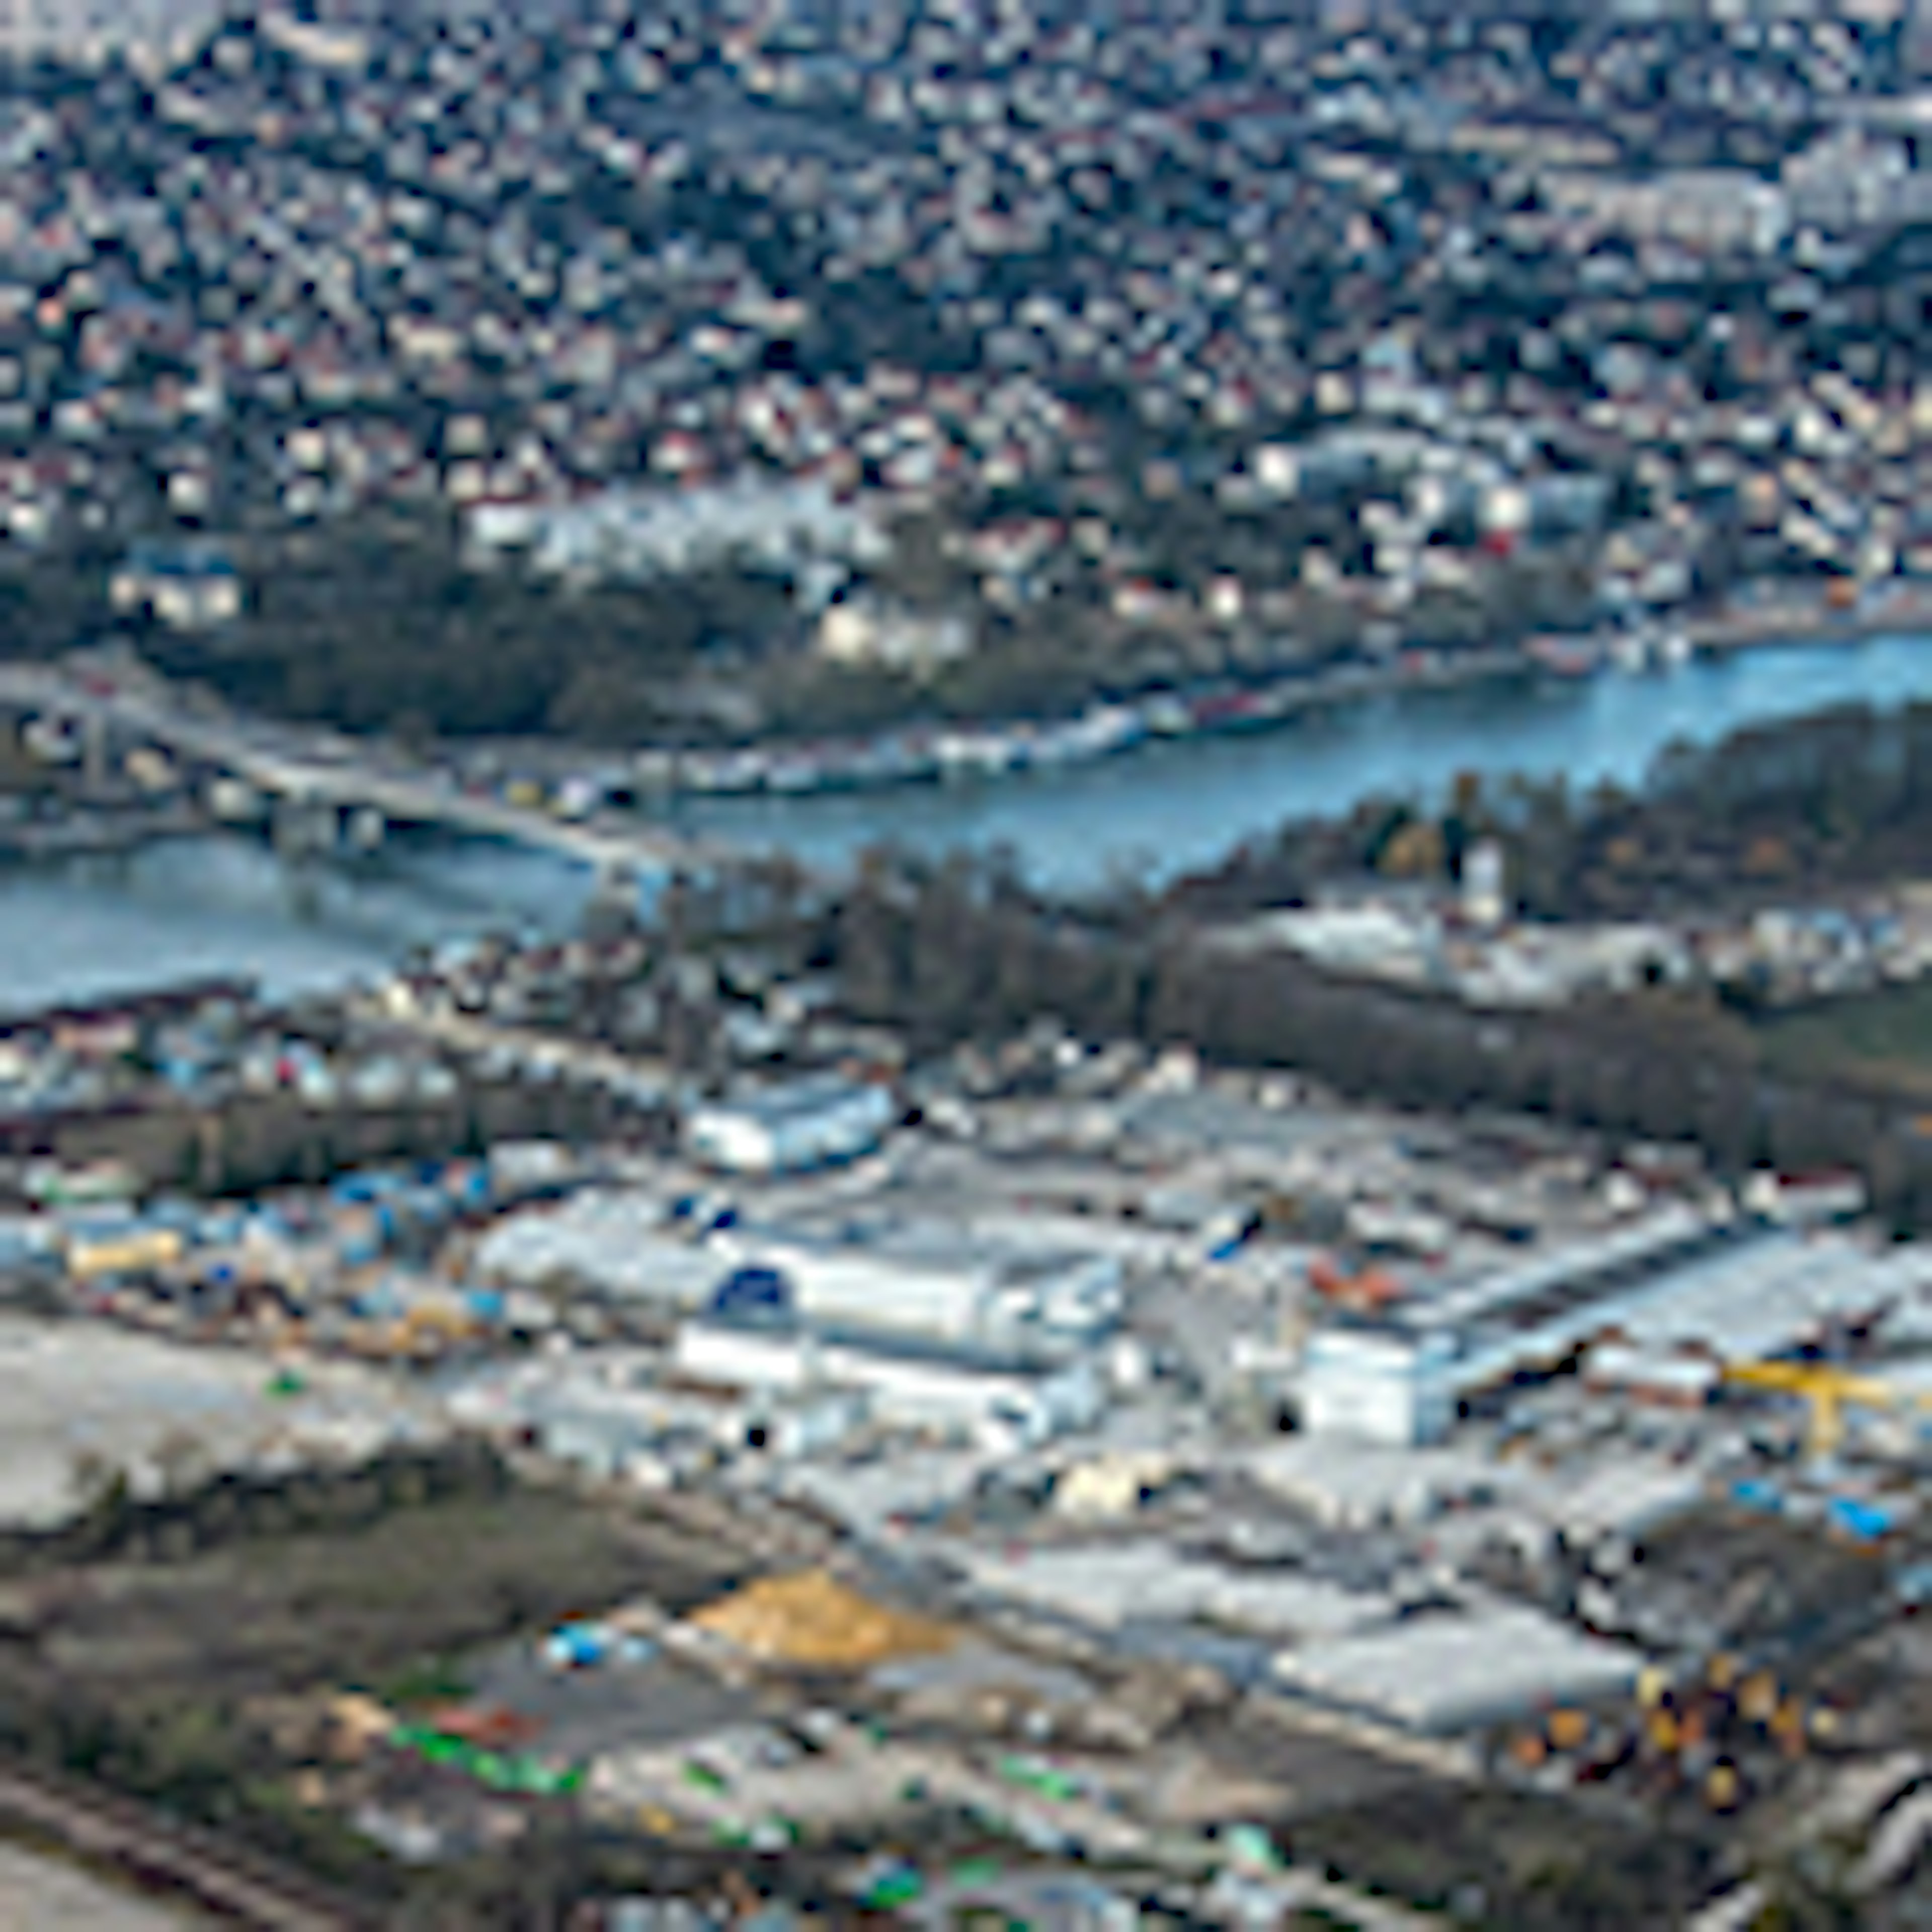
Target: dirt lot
{"type": "Point", "coordinates": [1499, 1858]}
{"type": "Point", "coordinates": [158, 1680]}
{"type": "Point", "coordinates": [1778, 1589]}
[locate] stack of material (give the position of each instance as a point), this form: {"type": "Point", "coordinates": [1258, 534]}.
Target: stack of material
{"type": "Point", "coordinates": [492, 1727]}
{"type": "Point", "coordinates": [357, 1723]}
{"type": "Point", "coordinates": [812, 1620]}
{"type": "Point", "coordinates": [1111, 1485]}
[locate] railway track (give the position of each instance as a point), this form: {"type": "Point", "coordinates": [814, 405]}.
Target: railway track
{"type": "Point", "coordinates": [103, 1828]}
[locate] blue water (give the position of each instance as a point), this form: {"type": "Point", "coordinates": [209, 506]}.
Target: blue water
{"type": "Point", "coordinates": [223, 904]}
{"type": "Point", "coordinates": [1166, 807]}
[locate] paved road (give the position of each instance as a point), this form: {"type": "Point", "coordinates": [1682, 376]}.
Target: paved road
{"type": "Point", "coordinates": [40, 1894]}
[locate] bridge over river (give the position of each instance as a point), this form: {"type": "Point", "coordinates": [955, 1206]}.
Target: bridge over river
{"type": "Point", "coordinates": [306, 775]}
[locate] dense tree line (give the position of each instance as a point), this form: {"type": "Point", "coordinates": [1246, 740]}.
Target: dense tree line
{"type": "Point", "coordinates": [246, 1142]}
{"type": "Point", "coordinates": [1780, 811]}
{"type": "Point", "coordinates": [964, 950]}
{"type": "Point", "coordinates": [378, 624]}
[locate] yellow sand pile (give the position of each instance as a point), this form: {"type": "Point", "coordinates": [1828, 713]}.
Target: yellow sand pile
{"type": "Point", "coordinates": [812, 1620]}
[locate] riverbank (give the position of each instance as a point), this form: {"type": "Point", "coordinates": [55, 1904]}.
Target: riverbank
{"type": "Point", "coordinates": [1905, 609]}
{"type": "Point", "coordinates": [930, 753]}
{"type": "Point", "coordinates": [224, 903]}
{"type": "Point", "coordinates": [1177, 804]}
{"type": "Point", "coordinates": [575, 782]}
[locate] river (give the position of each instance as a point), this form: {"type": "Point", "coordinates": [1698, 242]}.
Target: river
{"type": "Point", "coordinates": [224, 905]}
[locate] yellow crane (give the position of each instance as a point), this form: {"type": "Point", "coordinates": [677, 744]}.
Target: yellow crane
{"type": "Point", "coordinates": [1826, 1389]}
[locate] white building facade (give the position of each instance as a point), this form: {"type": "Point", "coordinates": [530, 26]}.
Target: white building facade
{"type": "Point", "coordinates": [1378, 1388]}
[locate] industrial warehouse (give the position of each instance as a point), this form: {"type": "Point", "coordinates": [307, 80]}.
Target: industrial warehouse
{"type": "Point", "coordinates": [1661, 1305]}
{"type": "Point", "coordinates": [1150, 1408]}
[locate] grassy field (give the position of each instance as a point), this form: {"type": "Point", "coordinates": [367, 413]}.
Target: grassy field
{"type": "Point", "coordinates": [1883, 1039]}
{"type": "Point", "coordinates": [366, 1605]}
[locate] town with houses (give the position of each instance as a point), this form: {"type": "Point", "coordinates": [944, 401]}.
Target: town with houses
{"type": "Point", "coordinates": [1430, 332]}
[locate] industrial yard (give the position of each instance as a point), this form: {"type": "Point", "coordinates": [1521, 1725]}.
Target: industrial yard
{"type": "Point", "coordinates": [916, 1479]}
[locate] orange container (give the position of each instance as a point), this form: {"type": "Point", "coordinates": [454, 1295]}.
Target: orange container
{"type": "Point", "coordinates": [1568, 1729]}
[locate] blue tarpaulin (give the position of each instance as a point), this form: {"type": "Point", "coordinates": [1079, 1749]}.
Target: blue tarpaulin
{"type": "Point", "coordinates": [752, 1290]}
{"type": "Point", "coordinates": [1866, 1521]}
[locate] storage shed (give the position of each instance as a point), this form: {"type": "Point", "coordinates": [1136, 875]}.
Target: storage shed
{"type": "Point", "coordinates": [1377, 1386]}
{"type": "Point", "coordinates": [790, 1127]}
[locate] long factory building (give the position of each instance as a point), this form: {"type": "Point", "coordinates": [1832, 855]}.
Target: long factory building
{"type": "Point", "coordinates": [1677, 1285]}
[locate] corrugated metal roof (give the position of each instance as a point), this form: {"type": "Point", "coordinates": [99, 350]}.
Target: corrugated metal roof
{"type": "Point", "coordinates": [1494, 1293]}
{"type": "Point", "coordinates": [1452, 1671]}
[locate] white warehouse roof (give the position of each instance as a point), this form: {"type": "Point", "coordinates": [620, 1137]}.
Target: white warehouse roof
{"type": "Point", "coordinates": [791, 1125]}
{"type": "Point", "coordinates": [1753, 1297]}
{"type": "Point", "coordinates": [613, 1241]}
{"type": "Point", "coordinates": [1113, 1583]}
{"type": "Point", "coordinates": [914, 1278]}
{"type": "Point", "coordinates": [914, 1386]}
{"type": "Point", "coordinates": [1494, 1295]}
{"type": "Point", "coordinates": [1455, 1671]}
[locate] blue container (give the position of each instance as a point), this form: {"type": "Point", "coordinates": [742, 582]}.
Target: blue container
{"type": "Point", "coordinates": [577, 1646]}
{"type": "Point", "coordinates": [1865, 1522]}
